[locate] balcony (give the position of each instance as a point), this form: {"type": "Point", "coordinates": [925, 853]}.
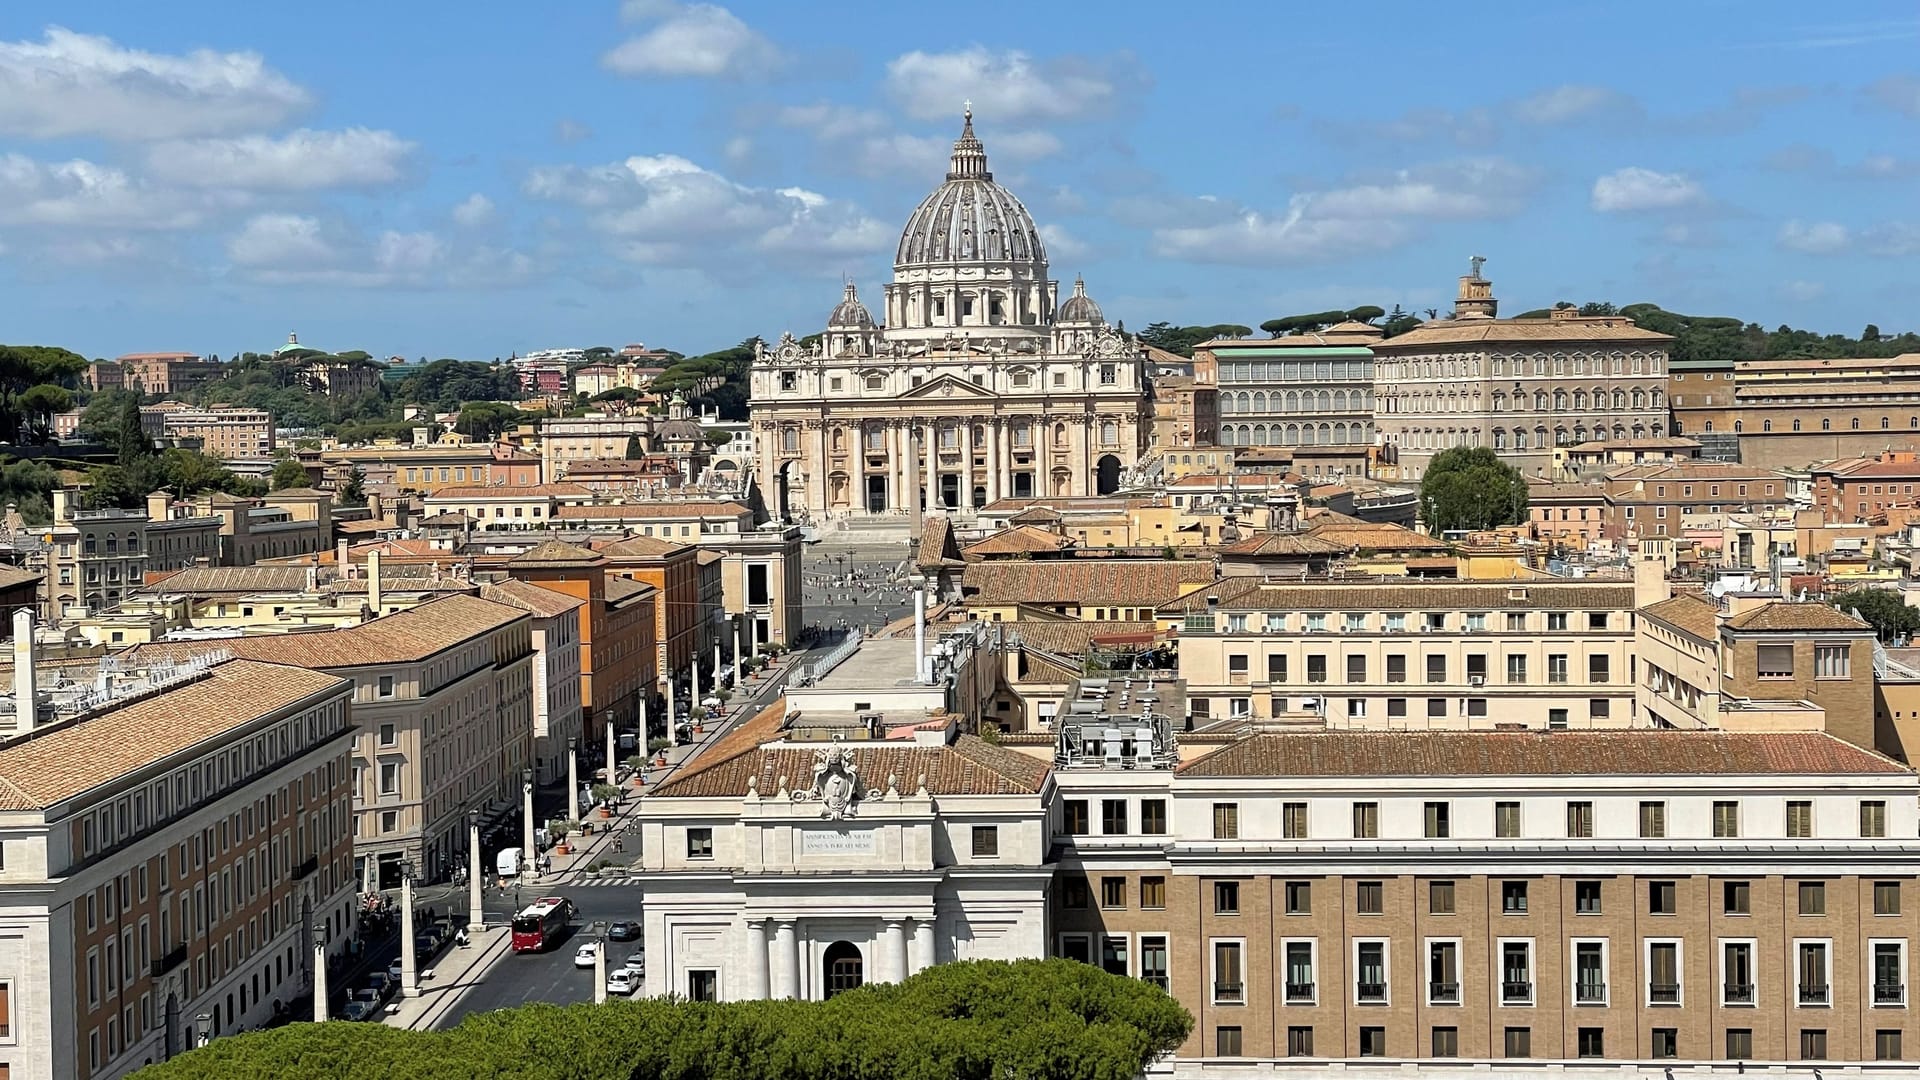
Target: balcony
{"type": "Point", "coordinates": [305, 869]}
{"type": "Point", "coordinates": [1889, 994]}
{"type": "Point", "coordinates": [1443, 993]}
{"type": "Point", "coordinates": [1516, 993]}
{"type": "Point", "coordinates": [1590, 993]}
{"type": "Point", "coordinates": [1372, 993]}
{"type": "Point", "coordinates": [169, 960]}
{"type": "Point", "coordinates": [1737, 993]}
{"type": "Point", "coordinates": [1156, 980]}
{"type": "Point", "coordinates": [1231, 993]}
{"type": "Point", "coordinates": [1299, 991]}
{"type": "Point", "coordinates": [1814, 994]}
{"type": "Point", "coordinates": [1663, 993]}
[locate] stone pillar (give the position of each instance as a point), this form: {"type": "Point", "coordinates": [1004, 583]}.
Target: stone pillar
{"type": "Point", "coordinates": [757, 960]}
{"type": "Point", "coordinates": [922, 958]}
{"type": "Point", "coordinates": [320, 992]}
{"type": "Point", "coordinates": [896, 950]}
{"type": "Point", "coordinates": [476, 911]}
{"type": "Point", "coordinates": [899, 468]}
{"type": "Point", "coordinates": [409, 963]}
{"type": "Point", "coordinates": [931, 438]}
{"type": "Point", "coordinates": [785, 960]}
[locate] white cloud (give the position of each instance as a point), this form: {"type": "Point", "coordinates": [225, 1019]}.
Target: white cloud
{"type": "Point", "coordinates": [1814, 237]}
{"type": "Point", "coordinates": [1562, 104]}
{"type": "Point", "coordinates": [1893, 239]}
{"type": "Point", "coordinates": [473, 211]}
{"type": "Point", "coordinates": [1009, 87]}
{"type": "Point", "coordinates": [1803, 290]}
{"type": "Point", "coordinates": [1371, 214]}
{"type": "Point", "coordinates": [699, 40]}
{"type": "Point", "coordinates": [1635, 189]}
{"type": "Point", "coordinates": [80, 84]}
{"type": "Point", "coordinates": [1024, 145]}
{"type": "Point", "coordinates": [297, 249]}
{"type": "Point", "coordinates": [297, 161]}
{"type": "Point", "coordinates": [83, 194]}
{"type": "Point", "coordinates": [667, 210]}
{"type": "Point", "coordinates": [832, 121]}
{"type": "Point", "coordinates": [1062, 244]}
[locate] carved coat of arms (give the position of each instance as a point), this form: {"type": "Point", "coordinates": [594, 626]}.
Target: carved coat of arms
{"type": "Point", "coordinates": [836, 782]}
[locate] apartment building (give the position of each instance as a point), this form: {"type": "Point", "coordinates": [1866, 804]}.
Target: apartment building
{"type": "Point", "coordinates": [1859, 489]}
{"type": "Point", "coordinates": [500, 506]}
{"type": "Point", "coordinates": [585, 438]}
{"type": "Point", "coordinates": [1467, 900]}
{"type": "Point", "coordinates": [1791, 413]}
{"type": "Point", "coordinates": [616, 630]}
{"type": "Point", "coordinates": [556, 670]}
{"type": "Point", "coordinates": [683, 520]}
{"type": "Point", "coordinates": [1091, 589]}
{"type": "Point", "coordinates": [682, 624]}
{"type": "Point", "coordinates": [1405, 655]}
{"type": "Point", "coordinates": [1657, 500]}
{"type": "Point", "coordinates": [292, 521]}
{"type": "Point", "coordinates": [225, 432]}
{"type": "Point", "coordinates": [1186, 413]}
{"type": "Point", "coordinates": [1570, 516]}
{"type": "Point", "coordinates": [167, 862]}
{"type": "Point", "coordinates": [154, 373]}
{"type": "Point", "coordinates": [443, 717]}
{"type": "Point", "coordinates": [1313, 389]}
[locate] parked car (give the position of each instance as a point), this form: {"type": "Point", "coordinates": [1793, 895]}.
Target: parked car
{"type": "Point", "coordinates": [636, 963]}
{"type": "Point", "coordinates": [359, 1010]}
{"type": "Point", "coordinates": [393, 971]}
{"type": "Point", "coordinates": [622, 982]}
{"type": "Point", "coordinates": [583, 957]}
{"type": "Point", "coordinates": [624, 931]}
{"type": "Point", "coordinates": [380, 984]}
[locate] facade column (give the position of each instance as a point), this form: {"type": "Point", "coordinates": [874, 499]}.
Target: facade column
{"type": "Point", "coordinates": [897, 968]}
{"type": "Point", "coordinates": [899, 466]}
{"type": "Point", "coordinates": [757, 960]}
{"type": "Point", "coordinates": [785, 960]}
{"type": "Point", "coordinates": [993, 459]}
{"type": "Point", "coordinates": [922, 946]}
{"type": "Point", "coordinates": [932, 451]}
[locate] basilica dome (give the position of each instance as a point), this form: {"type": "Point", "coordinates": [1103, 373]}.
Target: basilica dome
{"type": "Point", "coordinates": [971, 219]}
{"type": "Point", "coordinates": [1080, 308]}
{"type": "Point", "coordinates": [851, 314]}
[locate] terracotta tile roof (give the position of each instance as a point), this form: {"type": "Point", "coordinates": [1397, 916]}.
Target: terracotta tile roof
{"type": "Point", "coordinates": [10, 576]}
{"type": "Point", "coordinates": [72, 759]}
{"type": "Point", "coordinates": [708, 556]}
{"type": "Point", "coordinates": [1083, 582]}
{"type": "Point", "coordinates": [483, 492]}
{"type": "Point", "coordinates": [1781, 615]}
{"type": "Point", "coordinates": [1425, 594]}
{"type": "Point", "coordinates": [216, 580]}
{"type": "Point", "coordinates": [1693, 470]}
{"type": "Point", "coordinates": [1232, 480]}
{"type": "Point", "coordinates": [1375, 537]}
{"type": "Point", "coordinates": [1017, 540]}
{"type": "Point", "coordinates": [1494, 331]}
{"type": "Point", "coordinates": [638, 547]}
{"type": "Point", "coordinates": [1537, 492]}
{"type": "Point", "coordinates": [621, 589]}
{"type": "Point", "coordinates": [1274, 544]}
{"type": "Point", "coordinates": [403, 637]}
{"type": "Point", "coordinates": [968, 766]}
{"type": "Point", "coordinates": [688, 509]}
{"type": "Point", "coordinates": [937, 545]}
{"type": "Point", "coordinates": [1530, 753]}
{"type": "Point", "coordinates": [1035, 515]}
{"type": "Point", "coordinates": [1073, 637]}
{"type": "Point", "coordinates": [1689, 613]}
{"type": "Point", "coordinates": [1879, 470]}
{"type": "Point", "coordinates": [557, 553]}
{"type": "Point", "coordinates": [546, 603]}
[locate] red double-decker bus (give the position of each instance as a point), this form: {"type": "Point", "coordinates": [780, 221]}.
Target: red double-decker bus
{"type": "Point", "coordinates": [539, 923]}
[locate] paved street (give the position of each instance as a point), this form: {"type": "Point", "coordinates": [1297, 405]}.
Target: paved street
{"type": "Point", "coordinates": [855, 583]}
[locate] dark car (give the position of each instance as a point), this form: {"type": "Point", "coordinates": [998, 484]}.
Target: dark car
{"type": "Point", "coordinates": [359, 1010]}
{"type": "Point", "coordinates": [623, 931]}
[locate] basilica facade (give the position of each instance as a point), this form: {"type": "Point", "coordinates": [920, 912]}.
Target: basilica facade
{"type": "Point", "coordinates": [980, 382]}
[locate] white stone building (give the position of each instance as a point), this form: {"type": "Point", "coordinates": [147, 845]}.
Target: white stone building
{"type": "Point", "coordinates": [981, 383]}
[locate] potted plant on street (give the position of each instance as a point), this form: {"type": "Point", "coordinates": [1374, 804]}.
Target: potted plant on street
{"type": "Point", "coordinates": [606, 795]}
{"type": "Point", "coordinates": [561, 828]}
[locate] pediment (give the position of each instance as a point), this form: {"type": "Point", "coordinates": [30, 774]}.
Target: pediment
{"type": "Point", "coordinates": [948, 386]}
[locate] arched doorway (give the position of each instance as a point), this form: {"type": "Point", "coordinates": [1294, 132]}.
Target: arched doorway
{"type": "Point", "coordinates": [1107, 475]}
{"type": "Point", "coordinates": [841, 968]}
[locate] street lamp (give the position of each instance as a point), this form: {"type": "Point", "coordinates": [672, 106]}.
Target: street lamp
{"type": "Point", "coordinates": [202, 1030]}
{"type": "Point", "coordinates": [476, 918]}
{"type": "Point", "coordinates": [320, 1009]}
{"type": "Point", "coordinates": [526, 794]}
{"type": "Point", "coordinates": [409, 962]}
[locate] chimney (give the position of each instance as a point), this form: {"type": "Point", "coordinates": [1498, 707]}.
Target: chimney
{"type": "Point", "coordinates": [340, 559]}
{"type": "Point", "coordinates": [26, 695]}
{"type": "Point", "coordinates": [62, 505]}
{"type": "Point", "coordinates": [1650, 580]}
{"type": "Point", "coordinates": [373, 582]}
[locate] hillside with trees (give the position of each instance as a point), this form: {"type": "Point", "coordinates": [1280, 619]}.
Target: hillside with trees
{"type": "Point", "coordinates": [972, 1020]}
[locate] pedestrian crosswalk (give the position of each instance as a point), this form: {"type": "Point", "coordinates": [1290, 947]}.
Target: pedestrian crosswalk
{"type": "Point", "coordinates": [603, 881]}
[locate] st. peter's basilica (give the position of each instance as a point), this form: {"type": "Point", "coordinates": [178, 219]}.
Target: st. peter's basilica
{"type": "Point", "coordinates": [980, 384]}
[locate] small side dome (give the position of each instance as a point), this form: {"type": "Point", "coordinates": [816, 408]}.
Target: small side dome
{"type": "Point", "coordinates": [1080, 308]}
{"type": "Point", "coordinates": [851, 314]}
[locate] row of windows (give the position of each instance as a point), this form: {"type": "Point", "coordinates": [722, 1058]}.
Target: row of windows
{"type": "Point", "coordinates": [1437, 816]}
{"type": "Point", "coordinates": [1338, 434]}
{"type": "Point", "coordinates": [1357, 708]}
{"type": "Point", "coordinates": [1258, 402]}
{"type": "Point", "coordinates": [1436, 668]}
{"type": "Point", "coordinates": [1525, 366]}
{"type": "Point", "coordinates": [1253, 371]}
{"type": "Point", "coordinates": [1401, 622]}
{"type": "Point", "coordinates": [1517, 1042]}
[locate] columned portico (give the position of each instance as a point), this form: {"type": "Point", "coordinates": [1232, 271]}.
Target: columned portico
{"type": "Point", "coordinates": [894, 955]}
{"type": "Point", "coordinates": [922, 945]}
{"type": "Point", "coordinates": [759, 984]}
{"type": "Point", "coordinates": [786, 960]}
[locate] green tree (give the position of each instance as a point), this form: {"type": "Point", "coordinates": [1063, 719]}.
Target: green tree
{"type": "Point", "coordinates": [287, 473]}
{"type": "Point", "coordinates": [24, 369]}
{"type": "Point", "coordinates": [972, 1020]}
{"type": "Point", "coordinates": [1366, 313]}
{"type": "Point", "coordinates": [1883, 609]}
{"type": "Point", "coordinates": [481, 421]}
{"type": "Point", "coordinates": [1469, 487]}
{"type": "Point", "coordinates": [353, 491]}
{"type": "Point", "coordinates": [1399, 322]}
{"type": "Point", "coordinates": [634, 452]}
{"type": "Point", "coordinates": [130, 437]}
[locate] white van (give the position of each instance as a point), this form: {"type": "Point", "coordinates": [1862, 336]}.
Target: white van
{"type": "Point", "coordinates": [507, 863]}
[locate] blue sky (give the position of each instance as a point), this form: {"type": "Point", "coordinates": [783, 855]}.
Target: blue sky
{"type": "Point", "coordinates": [470, 179]}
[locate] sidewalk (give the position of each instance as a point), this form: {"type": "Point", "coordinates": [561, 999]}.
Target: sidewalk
{"type": "Point", "coordinates": [441, 986]}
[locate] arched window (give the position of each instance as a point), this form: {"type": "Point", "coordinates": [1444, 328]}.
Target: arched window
{"type": "Point", "coordinates": [1559, 436]}
{"type": "Point", "coordinates": [839, 440]}
{"type": "Point", "coordinates": [1499, 438]}
{"type": "Point", "coordinates": [1579, 400]}
{"type": "Point", "coordinates": [1656, 398]}
{"type": "Point", "coordinates": [790, 439]}
{"type": "Point", "coordinates": [1259, 434]}
{"type": "Point", "coordinates": [1559, 401]}
{"type": "Point", "coordinates": [1109, 433]}
{"type": "Point", "coordinates": [1639, 398]}
{"type": "Point", "coordinates": [1059, 434]}
{"type": "Point", "coordinates": [1709, 425]}
{"type": "Point", "coordinates": [1292, 435]}
{"type": "Point", "coordinates": [1540, 401]}
{"type": "Point", "coordinates": [1766, 425]}
{"type": "Point", "coordinates": [1499, 402]}
{"type": "Point", "coordinates": [1856, 423]}
{"type": "Point", "coordinates": [842, 969]}
{"type": "Point", "coordinates": [1519, 438]}
{"type": "Point", "coordinates": [1738, 425]}
{"type": "Point", "coordinates": [1260, 402]}
{"type": "Point", "coordinates": [1599, 399]}
{"type": "Point", "coordinates": [1883, 423]}
{"type": "Point", "coordinates": [1796, 425]}
{"type": "Point", "coordinates": [1619, 400]}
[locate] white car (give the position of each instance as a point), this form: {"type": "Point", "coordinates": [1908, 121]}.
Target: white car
{"type": "Point", "coordinates": [637, 963]}
{"type": "Point", "coordinates": [584, 956]}
{"type": "Point", "coordinates": [622, 982]}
